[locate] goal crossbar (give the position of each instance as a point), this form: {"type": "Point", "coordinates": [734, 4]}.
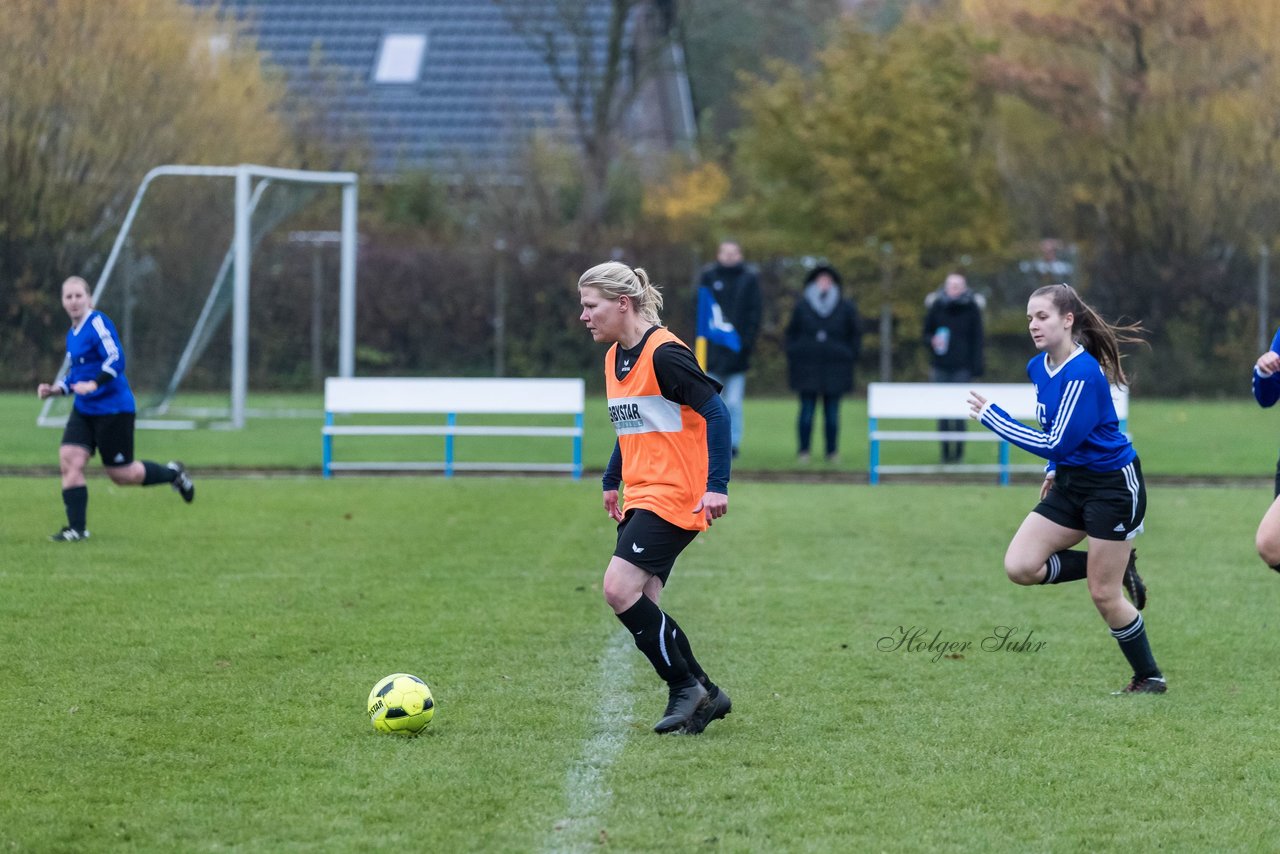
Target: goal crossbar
{"type": "Point", "coordinates": [240, 254]}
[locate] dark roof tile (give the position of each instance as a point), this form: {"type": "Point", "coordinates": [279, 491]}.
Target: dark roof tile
{"type": "Point", "coordinates": [482, 85]}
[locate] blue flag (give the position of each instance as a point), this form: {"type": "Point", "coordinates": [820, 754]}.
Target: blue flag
{"type": "Point", "coordinates": [713, 326]}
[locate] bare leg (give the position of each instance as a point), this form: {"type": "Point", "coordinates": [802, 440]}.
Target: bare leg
{"type": "Point", "coordinates": [1107, 562]}
{"type": "Point", "coordinates": [72, 460]}
{"type": "Point", "coordinates": [1268, 537]}
{"type": "Point", "coordinates": [131, 474]}
{"type": "Point", "coordinates": [1036, 540]}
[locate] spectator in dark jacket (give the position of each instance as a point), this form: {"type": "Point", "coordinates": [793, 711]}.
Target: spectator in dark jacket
{"type": "Point", "coordinates": [735, 285]}
{"type": "Point", "coordinates": [823, 340]}
{"type": "Point", "coordinates": [953, 334]}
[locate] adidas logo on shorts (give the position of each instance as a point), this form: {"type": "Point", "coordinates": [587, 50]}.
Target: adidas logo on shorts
{"type": "Point", "coordinates": [1119, 528]}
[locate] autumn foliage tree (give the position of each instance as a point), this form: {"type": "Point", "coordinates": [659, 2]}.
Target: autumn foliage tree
{"type": "Point", "coordinates": [1147, 130]}
{"type": "Point", "coordinates": [96, 94]}
{"type": "Point", "coordinates": [878, 160]}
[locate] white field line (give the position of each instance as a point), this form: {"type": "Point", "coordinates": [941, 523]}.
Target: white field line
{"type": "Point", "coordinates": [587, 795]}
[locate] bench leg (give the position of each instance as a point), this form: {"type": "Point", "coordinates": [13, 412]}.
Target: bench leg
{"type": "Point", "coordinates": [873, 473]}
{"type": "Point", "coordinates": [577, 448]}
{"type": "Point", "coordinates": [326, 450]}
{"type": "Point", "coordinates": [452, 421]}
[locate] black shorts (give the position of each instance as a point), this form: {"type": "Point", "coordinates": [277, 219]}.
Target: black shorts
{"type": "Point", "coordinates": [1106, 505]}
{"type": "Point", "coordinates": [110, 435]}
{"type": "Point", "coordinates": [651, 542]}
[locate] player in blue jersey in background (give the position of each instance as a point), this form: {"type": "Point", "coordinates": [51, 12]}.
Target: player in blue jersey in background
{"type": "Point", "coordinates": [1266, 390]}
{"type": "Point", "coordinates": [1093, 486]}
{"type": "Point", "coordinates": [102, 416]}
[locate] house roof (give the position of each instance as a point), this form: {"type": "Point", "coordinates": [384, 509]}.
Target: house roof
{"type": "Point", "coordinates": [481, 86]}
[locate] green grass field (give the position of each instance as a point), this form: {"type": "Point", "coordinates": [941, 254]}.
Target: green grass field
{"type": "Point", "coordinates": [193, 678]}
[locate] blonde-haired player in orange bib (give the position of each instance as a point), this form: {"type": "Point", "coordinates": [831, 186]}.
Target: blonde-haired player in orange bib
{"type": "Point", "coordinates": [672, 460]}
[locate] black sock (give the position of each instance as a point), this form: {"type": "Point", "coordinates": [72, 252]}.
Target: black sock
{"type": "Point", "coordinates": [76, 500]}
{"type": "Point", "coordinates": [1066, 565]}
{"type": "Point", "coordinates": [157, 473]}
{"type": "Point", "coordinates": [681, 640]}
{"type": "Point", "coordinates": [651, 630]}
{"type": "Point", "coordinates": [1276, 567]}
{"type": "Point", "coordinates": [1133, 643]}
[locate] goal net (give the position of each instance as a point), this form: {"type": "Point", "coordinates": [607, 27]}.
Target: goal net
{"type": "Point", "coordinates": [223, 277]}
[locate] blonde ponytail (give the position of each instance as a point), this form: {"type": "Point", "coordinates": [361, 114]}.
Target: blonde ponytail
{"type": "Point", "coordinates": [615, 279]}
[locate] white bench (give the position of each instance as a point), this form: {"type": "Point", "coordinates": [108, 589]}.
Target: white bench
{"type": "Point", "coordinates": [451, 398]}
{"type": "Point", "coordinates": [950, 400]}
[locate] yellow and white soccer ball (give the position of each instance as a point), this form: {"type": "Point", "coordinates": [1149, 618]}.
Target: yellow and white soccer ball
{"type": "Point", "coordinates": [401, 703]}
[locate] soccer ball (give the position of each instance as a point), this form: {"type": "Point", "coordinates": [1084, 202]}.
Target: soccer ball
{"type": "Point", "coordinates": [401, 703]}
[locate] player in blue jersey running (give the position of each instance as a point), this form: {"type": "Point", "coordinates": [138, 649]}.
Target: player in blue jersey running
{"type": "Point", "coordinates": [1093, 486]}
{"type": "Point", "coordinates": [102, 416]}
{"type": "Point", "coordinates": [1266, 390]}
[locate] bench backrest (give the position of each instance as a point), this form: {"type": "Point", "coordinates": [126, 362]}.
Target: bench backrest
{"type": "Point", "coordinates": [458, 395]}
{"type": "Point", "coordinates": [950, 400]}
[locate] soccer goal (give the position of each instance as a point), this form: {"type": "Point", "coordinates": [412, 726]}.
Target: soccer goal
{"type": "Point", "coordinates": [197, 242]}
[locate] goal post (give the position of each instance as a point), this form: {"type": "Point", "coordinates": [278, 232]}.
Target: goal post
{"type": "Point", "coordinates": [230, 289]}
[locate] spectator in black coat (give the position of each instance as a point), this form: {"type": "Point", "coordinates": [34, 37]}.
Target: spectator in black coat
{"type": "Point", "coordinates": [953, 333]}
{"type": "Point", "coordinates": [735, 285]}
{"type": "Point", "coordinates": [823, 341]}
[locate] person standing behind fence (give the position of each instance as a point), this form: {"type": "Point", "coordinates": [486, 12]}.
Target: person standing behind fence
{"type": "Point", "coordinates": [729, 311]}
{"type": "Point", "coordinates": [102, 416]}
{"type": "Point", "coordinates": [1093, 486]}
{"type": "Point", "coordinates": [823, 342]}
{"type": "Point", "coordinates": [953, 333]}
{"type": "Point", "coordinates": [1266, 390]}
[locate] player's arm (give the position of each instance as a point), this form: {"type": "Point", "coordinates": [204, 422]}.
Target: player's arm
{"type": "Point", "coordinates": [1050, 472]}
{"type": "Point", "coordinates": [109, 350]}
{"type": "Point", "coordinates": [715, 502]}
{"type": "Point", "coordinates": [1077, 416]}
{"type": "Point", "coordinates": [1266, 383]}
{"type": "Point", "coordinates": [57, 386]}
{"type": "Point", "coordinates": [1266, 375]}
{"type": "Point", "coordinates": [611, 481]}
{"type": "Point", "coordinates": [682, 381]}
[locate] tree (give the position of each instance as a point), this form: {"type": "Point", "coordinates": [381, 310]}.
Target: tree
{"type": "Point", "coordinates": [876, 161]}
{"type": "Point", "coordinates": [96, 94]}
{"type": "Point", "coordinates": [601, 55]}
{"type": "Point", "coordinates": [1147, 130]}
{"type": "Point", "coordinates": [724, 39]}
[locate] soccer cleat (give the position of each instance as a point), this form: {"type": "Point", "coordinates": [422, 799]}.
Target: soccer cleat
{"type": "Point", "coordinates": [681, 706]}
{"type": "Point", "coordinates": [1144, 685]}
{"type": "Point", "coordinates": [716, 707]}
{"type": "Point", "coordinates": [1133, 582]}
{"type": "Point", "coordinates": [69, 535]}
{"type": "Point", "coordinates": [182, 483]}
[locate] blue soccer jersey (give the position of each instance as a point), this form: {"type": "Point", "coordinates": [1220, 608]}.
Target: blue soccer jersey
{"type": "Point", "coordinates": [1078, 421]}
{"type": "Point", "coordinates": [95, 353]}
{"type": "Point", "coordinates": [1266, 387]}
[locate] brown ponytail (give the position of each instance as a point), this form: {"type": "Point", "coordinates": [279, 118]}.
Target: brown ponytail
{"type": "Point", "coordinates": [1101, 339]}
